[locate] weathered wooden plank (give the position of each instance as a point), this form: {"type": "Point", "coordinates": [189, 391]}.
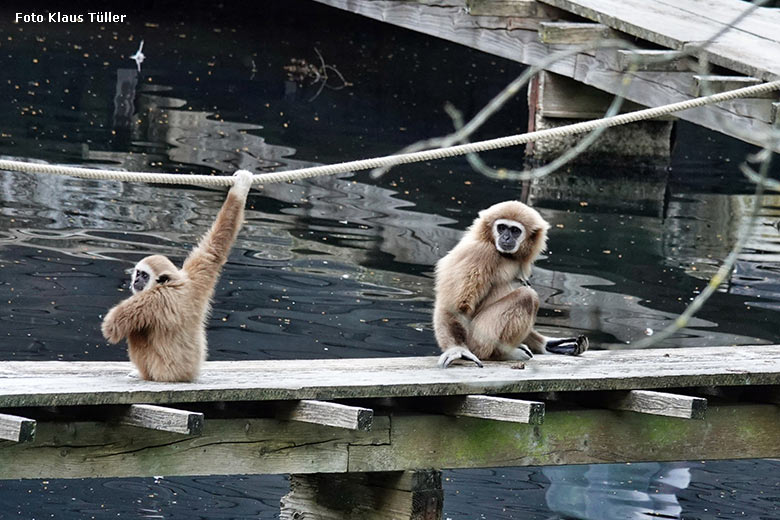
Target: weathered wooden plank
{"type": "Point", "coordinates": [454, 24]}
{"type": "Point", "coordinates": [574, 437]}
{"type": "Point", "coordinates": [656, 403]}
{"type": "Point", "coordinates": [327, 414]}
{"type": "Point", "coordinates": [762, 22]}
{"type": "Point", "coordinates": [226, 447]}
{"type": "Point", "coordinates": [678, 29]}
{"type": "Point", "coordinates": [522, 8]}
{"type": "Point", "coordinates": [52, 383]}
{"type": "Point", "coordinates": [408, 495]}
{"type": "Point", "coordinates": [746, 119]}
{"type": "Point", "coordinates": [494, 408]}
{"type": "Point", "coordinates": [654, 60]}
{"type": "Point", "coordinates": [712, 84]}
{"type": "Point", "coordinates": [16, 429]}
{"type": "Point", "coordinates": [407, 442]}
{"type": "Point", "coordinates": [574, 33]}
{"type": "Point", "coordinates": [164, 419]}
{"type": "Point", "coordinates": [563, 97]}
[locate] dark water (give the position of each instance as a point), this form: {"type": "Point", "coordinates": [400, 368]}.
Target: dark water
{"type": "Point", "coordinates": [341, 267]}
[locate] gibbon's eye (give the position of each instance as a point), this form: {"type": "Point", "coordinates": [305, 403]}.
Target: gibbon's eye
{"type": "Point", "coordinates": [143, 275]}
{"type": "Point", "coordinates": [501, 228]}
{"type": "Point", "coordinates": [515, 231]}
{"type": "Point", "coordinates": [163, 278]}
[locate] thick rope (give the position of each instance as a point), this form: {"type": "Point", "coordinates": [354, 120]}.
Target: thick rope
{"type": "Point", "coordinates": [392, 160]}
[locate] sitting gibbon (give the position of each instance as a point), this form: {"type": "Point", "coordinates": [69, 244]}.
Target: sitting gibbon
{"type": "Point", "coordinates": [164, 320]}
{"type": "Point", "coordinates": [480, 312]}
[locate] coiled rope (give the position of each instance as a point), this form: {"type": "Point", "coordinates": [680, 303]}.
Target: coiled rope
{"type": "Point", "coordinates": [392, 160]}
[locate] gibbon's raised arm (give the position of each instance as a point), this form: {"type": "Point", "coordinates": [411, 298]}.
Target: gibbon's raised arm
{"type": "Point", "coordinates": [213, 249]}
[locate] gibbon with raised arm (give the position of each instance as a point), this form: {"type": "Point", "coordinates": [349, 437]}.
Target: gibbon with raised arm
{"type": "Point", "coordinates": [164, 320]}
{"type": "Point", "coordinates": [482, 311]}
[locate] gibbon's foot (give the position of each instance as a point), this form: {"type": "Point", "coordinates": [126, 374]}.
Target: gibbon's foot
{"type": "Point", "coordinates": [454, 353]}
{"type": "Point", "coordinates": [134, 374]}
{"type": "Point", "coordinates": [568, 346]}
{"type": "Point", "coordinates": [519, 353]}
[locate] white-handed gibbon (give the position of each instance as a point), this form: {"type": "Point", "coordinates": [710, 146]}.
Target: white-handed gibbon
{"type": "Point", "coordinates": [482, 311]}
{"type": "Point", "coordinates": [164, 320]}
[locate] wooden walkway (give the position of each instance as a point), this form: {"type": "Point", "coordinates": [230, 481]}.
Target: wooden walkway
{"type": "Point", "coordinates": [529, 31]}
{"type": "Point", "coordinates": [89, 419]}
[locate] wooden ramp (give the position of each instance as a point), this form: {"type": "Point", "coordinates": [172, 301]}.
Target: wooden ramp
{"type": "Point", "coordinates": [530, 31]}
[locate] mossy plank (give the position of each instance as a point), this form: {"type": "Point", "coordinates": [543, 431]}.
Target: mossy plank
{"type": "Point", "coordinates": [574, 437]}
{"type": "Point", "coordinates": [396, 443]}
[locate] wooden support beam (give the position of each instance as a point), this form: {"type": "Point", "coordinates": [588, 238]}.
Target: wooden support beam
{"type": "Point", "coordinates": [704, 85]}
{"type": "Point", "coordinates": [775, 118]}
{"type": "Point", "coordinates": [522, 8]}
{"type": "Point", "coordinates": [655, 403]}
{"type": "Point", "coordinates": [16, 429]}
{"type": "Point", "coordinates": [407, 495]}
{"type": "Point", "coordinates": [327, 414]}
{"type": "Point", "coordinates": [571, 33]}
{"type": "Point", "coordinates": [164, 419]}
{"type": "Point", "coordinates": [653, 60]}
{"type": "Point", "coordinates": [407, 442]}
{"type": "Point", "coordinates": [494, 408]}
{"type": "Point", "coordinates": [566, 98]}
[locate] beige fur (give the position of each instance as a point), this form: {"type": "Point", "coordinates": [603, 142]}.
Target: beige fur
{"type": "Point", "coordinates": [165, 323]}
{"type": "Point", "coordinates": [477, 306]}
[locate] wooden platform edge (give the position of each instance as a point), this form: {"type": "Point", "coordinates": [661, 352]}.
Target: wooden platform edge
{"type": "Point", "coordinates": [395, 443]}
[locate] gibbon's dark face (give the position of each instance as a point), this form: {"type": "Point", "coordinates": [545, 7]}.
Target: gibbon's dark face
{"type": "Point", "coordinates": [508, 235]}
{"type": "Point", "coordinates": [140, 279]}
{"type": "Point", "coordinates": [153, 271]}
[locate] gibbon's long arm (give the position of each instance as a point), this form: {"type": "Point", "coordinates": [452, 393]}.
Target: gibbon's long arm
{"type": "Point", "coordinates": [137, 313]}
{"type": "Point", "coordinates": [472, 284]}
{"type": "Point", "coordinates": [204, 262]}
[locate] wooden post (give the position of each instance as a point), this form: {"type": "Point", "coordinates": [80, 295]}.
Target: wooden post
{"type": "Point", "coordinates": [401, 495]}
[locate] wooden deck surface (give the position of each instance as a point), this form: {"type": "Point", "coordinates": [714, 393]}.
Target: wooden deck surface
{"type": "Point", "coordinates": [751, 47]}
{"type": "Point", "coordinates": [50, 383]}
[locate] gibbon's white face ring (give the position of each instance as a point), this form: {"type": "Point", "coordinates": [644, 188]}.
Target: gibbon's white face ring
{"type": "Point", "coordinates": [508, 235]}
{"type": "Point", "coordinates": [141, 278]}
